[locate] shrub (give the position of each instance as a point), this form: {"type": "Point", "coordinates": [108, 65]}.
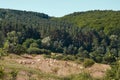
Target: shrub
{"type": "Point", "coordinates": [109, 58]}
{"type": "Point", "coordinates": [45, 51]}
{"type": "Point", "coordinates": [114, 72]}
{"type": "Point", "coordinates": [34, 45]}
{"type": "Point", "coordinates": [33, 50]}
{"type": "Point", "coordinates": [69, 57]}
{"type": "Point", "coordinates": [88, 62]}
{"type": "Point", "coordinates": [18, 49]}
{"type": "Point", "coordinates": [47, 56]}
{"type": "Point", "coordinates": [58, 57]}
{"type": "Point", "coordinates": [2, 52]}
{"type": "Point", "coordinates": [1, 72]}
{"type": "Point", "coordinates": [14, 74]}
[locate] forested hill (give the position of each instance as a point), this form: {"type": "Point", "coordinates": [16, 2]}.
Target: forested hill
{"type": "Point", "coordinates": [107, 20]}
{"type": "Point", "coordinates": [8, 13]}
{"type": "Point", "coordinates": [92, 34]}
{"type": "Point", "coordinates": [11, 20]}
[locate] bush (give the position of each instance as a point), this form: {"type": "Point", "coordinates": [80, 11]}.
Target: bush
{"type": "Point", "coordinates": [109, 58]}
{"type": "Point", "coordinates": [45, 51]}
{"type": "Point", "coordinates": [88, 62]}
{"type": "Point", "coordinates": [63, 57]}
{"type": "Point", "coordinates": [47, 56]}
{"type": "Point", "coordinates": [2, 52]}
{"type": "Point", "coordinates": [34, 45]}
{"type": "Point", "coordinates": [114, 72]}
{"type": "Point", "coordinates": [69, 57]}
{"type": "Point", "coordinates": [35, 50]}
{"type": "Point", "coordinates": [1, 72]}
{"type": "Point", "coordinates": [14, 74]}
{"type": "Point", "coordinates": [18, 49]}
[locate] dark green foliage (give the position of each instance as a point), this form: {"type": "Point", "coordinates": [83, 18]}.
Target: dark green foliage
{"type": "Point", "coordinates": [1, 39]}
{"type": "Point", "coordinates": [61, 36]}
{"type": "Point", "coordinates": [35, 50]}
{"type": "Point", "coordinates": [18, 49]}
{"type": "Point", "coordinates": [109, 58]}
{"type": "Point", "coordinates": [70, 50]}
{"type": "Point", "coordinates": [96, 56]}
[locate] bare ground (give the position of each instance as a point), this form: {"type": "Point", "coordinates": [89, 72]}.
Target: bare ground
{"type": "Point", "coordinates": [57, 67]}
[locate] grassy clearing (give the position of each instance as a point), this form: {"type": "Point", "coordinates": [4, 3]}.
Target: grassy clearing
{"type": "Point", "coordinates": [12, 66]}
{"type": "Point", "coordinates": [29, 72]}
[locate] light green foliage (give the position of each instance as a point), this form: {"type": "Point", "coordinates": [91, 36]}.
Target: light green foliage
{"type": "Point", "coordinates": [6, 45]}
{"type": "Point", "coordinates": [81, 76]}
{"type": "Point", "coordinates": [46, 41]}
{"type": "Point", "coordinates": [34, 50]}
{"type": "Point", "coordinates": [27, 43]}
{"type": "Point", "coordinates": [34, 45]}
{"type": "Point", "coordinates": [2, 52]}
{"type": "Point", "coordinates": [12, 43]}
{"type": "Point", "coordinates": [13, 37]}
{"type": "Point", "coordinates": [114, 73]}
{"type": "Point", "coordinates": [107, 20]}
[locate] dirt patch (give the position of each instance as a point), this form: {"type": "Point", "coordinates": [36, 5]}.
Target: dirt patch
{"type": "Point", "coordinates": [59, 67]}
{"type": "Point", "coordinates": [98, 70]}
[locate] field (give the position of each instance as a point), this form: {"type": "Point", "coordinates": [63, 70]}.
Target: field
{"type": "Point", "coordinates": [37, 67]}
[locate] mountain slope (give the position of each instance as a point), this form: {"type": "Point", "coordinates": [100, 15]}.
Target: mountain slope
{"type": "Point", "coordinates": [18, 20]}
{"type": "Point", "coordinates": [107, 20]}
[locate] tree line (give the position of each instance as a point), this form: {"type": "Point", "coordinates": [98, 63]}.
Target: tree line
{"type": "Point", "coordinates": [92, 34]}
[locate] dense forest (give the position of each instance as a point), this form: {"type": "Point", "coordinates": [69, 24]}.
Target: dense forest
{"type": "Point", "coordinates": [91, 34]}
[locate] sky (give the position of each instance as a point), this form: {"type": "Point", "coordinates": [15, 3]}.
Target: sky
{"type": "Point", "coordinates": [60, 8]}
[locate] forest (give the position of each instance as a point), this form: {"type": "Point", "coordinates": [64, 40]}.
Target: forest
{"type": "Point", "coordinates": [92, 34]}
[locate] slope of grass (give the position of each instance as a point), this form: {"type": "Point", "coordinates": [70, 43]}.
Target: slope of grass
{"type": "Point", "coordinates": [13, 66]}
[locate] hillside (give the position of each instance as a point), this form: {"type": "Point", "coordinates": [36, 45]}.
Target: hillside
{"type": "Point", "coordinates": [18, 20]}
{"type": "Point", "coordinates": [106, 20]}
{"type": "Point", "coordinates": [38, 67]}
{"type": "Point", "coordinates": [88, 37]}
{"type": "Point", "coordinates": [32, 32]}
